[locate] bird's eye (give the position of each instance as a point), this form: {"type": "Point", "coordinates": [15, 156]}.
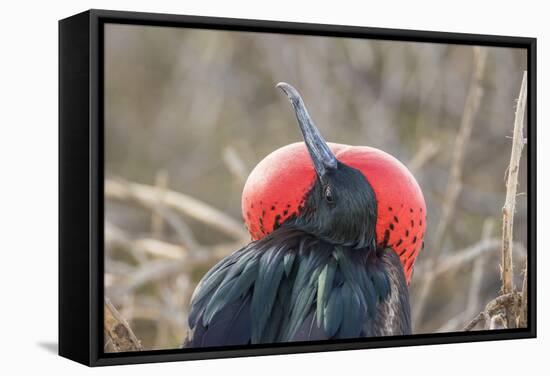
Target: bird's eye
{"type": "Point", "coordinates": [328, 194]}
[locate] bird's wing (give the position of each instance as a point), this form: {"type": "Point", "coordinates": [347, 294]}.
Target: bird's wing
{"type": "Point", "coordinates": [220, 307]}
{"type": "Point", "coordinates": [358, 293]}
{"type": "Point", "coordinates": [263, 293]}
{"type": "Point", "coordinates": [240, 300]}
{"type": "Point", "coordinates": [299, 289]}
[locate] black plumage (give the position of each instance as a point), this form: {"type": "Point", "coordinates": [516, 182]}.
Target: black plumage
{"type": "Point", "coordinates": [292, 286]}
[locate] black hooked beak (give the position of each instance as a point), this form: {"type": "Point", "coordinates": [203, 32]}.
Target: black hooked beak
{"type": "Point", "coordinates": [322, 157]}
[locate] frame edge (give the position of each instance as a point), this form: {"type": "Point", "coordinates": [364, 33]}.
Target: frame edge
{"type": "Point", "coordinates": [85, 348]}
{"type": "Point", "coordinates": [74, 282]}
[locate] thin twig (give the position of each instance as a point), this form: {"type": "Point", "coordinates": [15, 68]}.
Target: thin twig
{"type": "Point", "coordinates": [507, 271]}
{"type": "Point", "coordinates": [181, 228]}
{"type": "Point", "coordinates": [116, 238]}
{"type": "Point", "coordinates": [494, 307]}
{"type": "Point", "coordinates": [460, 258]}
{"type": "Point", "coordinates": [177, 260]}
{"type": "Point", "coordinates": [480, 317]}
{"type": "Point", "coordinates": [454, 183]}
{"type": "Point", "coordinates": [497, 322]}
{"type": "Point", "coordinates": [117, 331]}
{"type": "Point", "coordinates": [477, 254]}
{"type": "Point", "coordinates": [157, 222]}
{"type": "Point", "coordinates": [428, 150]}
{"type": "Point", "coordinates": [235, 164]}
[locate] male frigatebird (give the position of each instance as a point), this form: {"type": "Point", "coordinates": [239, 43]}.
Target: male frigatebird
{"type": "Point", "coordinates": [335, 233]}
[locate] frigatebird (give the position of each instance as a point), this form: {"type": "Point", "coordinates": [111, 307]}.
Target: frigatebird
{"type": "Point", "coordinates": [335, 233]}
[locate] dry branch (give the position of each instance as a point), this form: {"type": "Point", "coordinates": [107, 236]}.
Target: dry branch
{"type": "Point", "coordinates": [480, 317]}
{"type": "Point", "coordinates": [150, 309]}
{"type": "Point", "coordinates": [182, 230]}
{"type": "Point", "coordinates": [148, 197]}
{"type": "Point", "coordinates": [427, 151]}
{"type": "Point", "coordinates": [498, 322]}
{"type": "Point", "coordinates": [116, 238]}
{"type": "Point", "coordinates": [476, 254]}
{"type": "Point", "coordinates": [476, 281]}
{"type": "Point", "coordinates": [151, 272]}
{"type": "Point", "coordinates": [157, 220]}
{"type": "Point", "coordinates": [495, 307]}
{"type": "Point", "coordinates": [510, 308]}
{"type": "Point", "coordinates": [454, 183]}
{"type": "Point", "coordinates": [177, 259]}
{"type": "Point", "coordinates": [508, 211]}
{"type": "Point", "coordinates": [460, 258]}
{"type": "Point", "coordinates": [235, 164]}
{"type": "Point", "coordinates": [119, 335]}
{"type": "Point", "coordinates": [523, 309]}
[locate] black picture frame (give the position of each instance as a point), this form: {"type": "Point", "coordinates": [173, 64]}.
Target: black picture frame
{"type": "Point", "coordinates": [81, 179]}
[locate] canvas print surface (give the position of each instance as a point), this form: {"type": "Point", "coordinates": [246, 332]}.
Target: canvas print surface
{"type": "Point", "coordinates": [267, 188]}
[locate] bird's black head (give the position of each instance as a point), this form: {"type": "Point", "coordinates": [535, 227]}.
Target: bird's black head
{"type": "Point", "coordinates": [341, 205]}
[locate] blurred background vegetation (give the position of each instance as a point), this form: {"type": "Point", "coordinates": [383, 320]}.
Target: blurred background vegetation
{"type": "Point", "coordinates": [188, 113]}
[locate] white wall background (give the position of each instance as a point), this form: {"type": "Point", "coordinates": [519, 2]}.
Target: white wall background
{"type": "Point", "coordinates": [28, 193]}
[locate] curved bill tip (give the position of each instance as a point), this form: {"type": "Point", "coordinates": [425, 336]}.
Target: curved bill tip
{"type": "Point", "coordinates": [289, 90]}
{"type": "Point", "coordinates": [321, 155]}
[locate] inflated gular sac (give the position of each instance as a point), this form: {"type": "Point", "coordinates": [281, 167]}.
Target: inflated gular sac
{"type": "Point", "coordinates": [284, 177]}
